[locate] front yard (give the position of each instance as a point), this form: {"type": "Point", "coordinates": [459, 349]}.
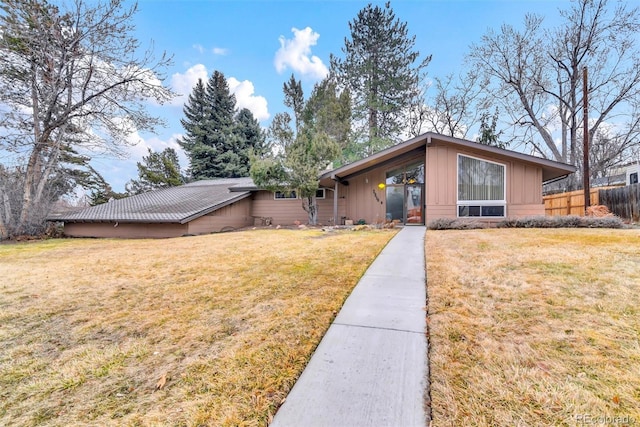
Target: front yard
{"type": "Point", "coordinates": [208, 330]}
{"type": "Point", "coordinates": [534, 327]}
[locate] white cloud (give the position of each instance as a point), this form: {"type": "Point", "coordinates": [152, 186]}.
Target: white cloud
{"type": "Point", "coordinates": [296, 54]}
{"type": "Point", "coordinates": [199, 48]}
{"type": "Point", "coordinates": [220, 51]}
{"type": "Point", "coordinates": [183, 83]}
{"type": "Point", "coordinates": [243, 90]}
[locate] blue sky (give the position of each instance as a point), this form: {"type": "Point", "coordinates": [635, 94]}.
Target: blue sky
{"type": "Point", "coordinates": [259, 44]}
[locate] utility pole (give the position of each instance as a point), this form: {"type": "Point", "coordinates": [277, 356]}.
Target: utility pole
{"type": "Point", "coordinates": [585, 138]}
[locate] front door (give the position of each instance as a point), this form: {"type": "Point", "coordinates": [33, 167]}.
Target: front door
{"type": "Point", "coordinates": [405, 203]}
{"type": "Point", "coordinates": [413, 204]}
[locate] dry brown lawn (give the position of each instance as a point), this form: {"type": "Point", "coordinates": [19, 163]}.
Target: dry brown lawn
{"type": "Point", "coordinates": [534, 327]}
{"type": "Point", "coordinates": [208, 330]}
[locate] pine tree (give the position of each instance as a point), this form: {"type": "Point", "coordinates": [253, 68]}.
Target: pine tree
{"type": "Point", "coordinates": [488, 134]}
{"type": "Point", "coordinates": [215, 145]}
{"type": "Point", "coordinates": [249, 130]}
{"type": "Point", "coordinates": [329, 111]}
{"type": "Point", "coordinates": [157, 170]}
{"type": "Point", "coordinates": [196, 120]}
{"type": "Point", "coordinates": [301, 154]}
{"type": "Point", "coordinates": [383, 73]}
{"type": "Point", "coordinates": [294, 99]}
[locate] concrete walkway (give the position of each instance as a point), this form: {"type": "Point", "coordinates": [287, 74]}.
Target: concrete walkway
{"type": "Point", "coordinates": [370, 368]}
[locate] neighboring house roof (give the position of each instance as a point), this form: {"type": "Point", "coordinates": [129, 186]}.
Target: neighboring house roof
{"type": "Point", "coordinates": [550, 169]}
{"type": "Point", "coordinates": [170, 205]}
{"type": "Point", "coordinates": [619, 179]}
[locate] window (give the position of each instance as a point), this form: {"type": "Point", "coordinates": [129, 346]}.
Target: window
{"type": "Point", "coordinates": [481, 188]}
{"type": "Point", "coordinates": [320, 193]}
{"type": "Point", "coordinates": [281, 195]}
{"type": "Point", "coordinates": [633, 178]}
{"type": "Point", "coordinates": [409, 174]}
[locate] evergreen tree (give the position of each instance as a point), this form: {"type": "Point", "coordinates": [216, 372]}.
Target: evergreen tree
{"type": "Point", "coordinates": [294, 99]}
{"type": "Point", "coordinates": [383, 73]}
{"type": "Point", "coordinates": [300, 155]}
{"type": "Point", "coordinates": [196, 118]}
{"type": "Point", "coordinates": [214, 145]}
{"type": "Point", "coordinates": [157, 170]}
{"type": "Point", "coordinates": [104, 195]}
{"type": "Point", "coordinates": [488, 134]}
{"type": "Point", "coordinates": [249, 130]}
{"type": "Point", "coordinates": [329, 111]}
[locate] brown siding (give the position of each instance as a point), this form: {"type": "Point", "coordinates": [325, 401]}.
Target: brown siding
{"type": "Point", "coordinates": [361, 196]}
{"type": "Point", "coordinates": [364, 199]}
{"type": "Point", "coordinates": [518, 211]}
{"type": "Point", "coordinates": [131, 231]}
{"type": "Point", "coordinates": [288, 211]}
{"type": "Point", "coordinates": [523, 186]}
{"type": "Point", "coordinates": [236, 215]}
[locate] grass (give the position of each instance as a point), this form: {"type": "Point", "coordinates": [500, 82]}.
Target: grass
{"type": "Point", "coordinates": [534, 327]}
{"type": "Point", "coordinates": [208, 330]}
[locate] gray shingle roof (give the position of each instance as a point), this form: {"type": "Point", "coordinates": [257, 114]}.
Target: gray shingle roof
{"type": "Point", "coordinates": [175, 205]}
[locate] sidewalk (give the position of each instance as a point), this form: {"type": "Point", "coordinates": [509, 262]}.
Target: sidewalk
{"type": "Point", "coordinates": [370, 368]}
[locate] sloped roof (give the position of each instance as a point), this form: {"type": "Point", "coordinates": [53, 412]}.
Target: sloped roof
{"type": "Point", "coordinates": [170, 205]}
{"type": "Point", "coordinates": [550, 169]}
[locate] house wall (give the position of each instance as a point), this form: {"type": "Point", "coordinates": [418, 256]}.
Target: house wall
{"type": "Point", "coordinates": [235, 215]}
{"type": "Point", "coordinates": [288, 211]}
{"type": "Point", "coordinates": [523, 186]}
{"type": "Point", "coordinates": [126, 230]}
{"type": "Point", "coordinates": [365, 200]}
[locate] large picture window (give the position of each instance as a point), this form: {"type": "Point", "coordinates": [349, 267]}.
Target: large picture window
{"type": "Point", "coordinates": [481, 188]}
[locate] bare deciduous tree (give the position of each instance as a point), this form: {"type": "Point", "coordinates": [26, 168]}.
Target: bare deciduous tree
{"type": "Point", "coordinates": [454, 108]}
{"type": "Point", "coordinates": [69, 79]}
{"type": "Point", "coordinates": [537, 77]}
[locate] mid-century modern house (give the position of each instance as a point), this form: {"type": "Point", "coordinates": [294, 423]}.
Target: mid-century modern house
{"type": "Point", "coordinates": [428, 177]}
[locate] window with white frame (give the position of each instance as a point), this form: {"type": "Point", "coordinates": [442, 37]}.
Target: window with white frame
{"type": "Point", "coordinates": [283, 195]}
{"type": "Point", "coordinates": [481, 188]}
{"type": "Point", "coordinates": [320, 193]}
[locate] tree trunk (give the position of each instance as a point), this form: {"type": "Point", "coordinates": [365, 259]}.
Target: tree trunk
{"type": "Point", "coordinates": [5, 215]}
{"type": "Point", "coordinates": [309, 204]}
{"type": "Point", "coordinates": [29, 180]}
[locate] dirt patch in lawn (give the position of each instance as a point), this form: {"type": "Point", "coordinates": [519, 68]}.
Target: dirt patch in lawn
{"type": "Point", "coordinates": [207, 330]}
{"type": "Point", "coordinates": [534, 327]}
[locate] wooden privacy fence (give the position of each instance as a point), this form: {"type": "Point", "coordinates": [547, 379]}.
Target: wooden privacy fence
{"type": "Point", "coordinates": [571, 203]}
{"type": "Point", "coordinates": [623, 201]}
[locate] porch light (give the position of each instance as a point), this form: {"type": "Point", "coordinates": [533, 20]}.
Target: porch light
{"type": "Point", "coordinates": [381, 186]}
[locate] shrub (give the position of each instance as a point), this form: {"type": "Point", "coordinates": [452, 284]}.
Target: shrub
{"type": "Point", "coordinates": [561, 221]}
{"type": "Point", "coordinates": [454, 224]}
{"type": "Point", "coordinates": [541, 221]}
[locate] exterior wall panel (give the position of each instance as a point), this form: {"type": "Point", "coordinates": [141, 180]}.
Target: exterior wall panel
{"type": "Point", "coordinates": [523, 183]}
{"type": "Point", "coordinates": [288, 211]}
{"type": "Point", "coordinates": [235, 215]}
{"type": "Point", "coordinates": [365, 200]}
{"type": "Point", "coordinates": [125, 231]}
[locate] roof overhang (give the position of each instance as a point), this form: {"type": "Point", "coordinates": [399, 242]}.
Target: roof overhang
{"type": "Point", "coordinates": [550, 169]}
{"type": "Point", "coordinates": [150, 220]}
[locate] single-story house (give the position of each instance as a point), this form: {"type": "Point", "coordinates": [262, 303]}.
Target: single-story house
{"type": "Point", "coordinates": [427, 177]}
